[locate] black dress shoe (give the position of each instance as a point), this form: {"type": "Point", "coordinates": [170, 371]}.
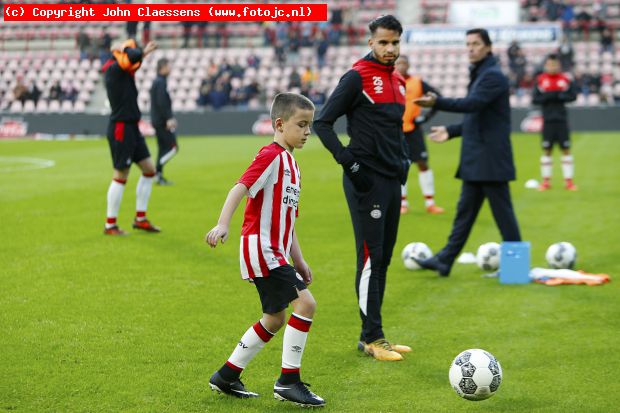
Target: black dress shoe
{"type": "Point", "coordinates": [435, 264]}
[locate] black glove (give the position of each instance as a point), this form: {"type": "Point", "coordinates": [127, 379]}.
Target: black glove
{"type": "Point", "coordinates": [358, 174]}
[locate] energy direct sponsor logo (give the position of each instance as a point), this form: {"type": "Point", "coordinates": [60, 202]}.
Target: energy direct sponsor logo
{"type": "Point", "coordinates": [291, 197]}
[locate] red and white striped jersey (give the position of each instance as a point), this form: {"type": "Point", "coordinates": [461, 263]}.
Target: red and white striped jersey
{"type": "Point", "coordinates": [273, 183]}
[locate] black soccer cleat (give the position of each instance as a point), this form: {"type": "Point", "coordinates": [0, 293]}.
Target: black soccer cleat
{"type": "Point", "coordinates": [435, 264]}
{"type": "Point", "coordinates": [297, 393]}
{"type": "Point", "coordinates": [233, 388]}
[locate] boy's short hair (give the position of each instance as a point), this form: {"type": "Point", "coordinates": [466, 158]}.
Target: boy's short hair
{"type": "Point", "coordinates": [552, 56]}
{"type": "Point", "coordinates": [483, 33]}
{"type": "Point", "coordinates": [285, 104]}
{"type": "Point", "coordinates": [161, 63]}
{"type": "Point", "coordinates": [388, 22]}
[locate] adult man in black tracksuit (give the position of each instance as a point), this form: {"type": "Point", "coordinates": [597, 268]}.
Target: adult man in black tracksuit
{"type": "Point", "coordinates": [163, 120]}
{"type": "Point", "coordinates": [486, 165]}
{"type": "Point", "coordinates": [127, 145]}
{"type": "Point", "coordinates": [372, 95]}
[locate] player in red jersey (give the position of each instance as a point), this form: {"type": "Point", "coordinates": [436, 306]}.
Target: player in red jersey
{"type": "Point", "coordinates": [272, 185]}
{"type": "Point", "coordinates": [552, 91]}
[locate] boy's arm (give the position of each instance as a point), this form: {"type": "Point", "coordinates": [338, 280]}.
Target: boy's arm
{"type": "Point", "coordinates": [301, 266]}
{"type": "Point", "coordinates": [220, 231]}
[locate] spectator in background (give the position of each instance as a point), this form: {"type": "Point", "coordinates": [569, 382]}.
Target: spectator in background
{"type": "Point", "coordinates": [218, 97]}
{"type": "Point", "coordinates": [34, 93]}
{"type": "Point", "coordinates": [566, 55]}
{"type": "Point", "coordinates": [82, 42]}
{"type": "Point", "coordinates": [335, 29]}
{"type": "Point", "coordinates": [238, 95]}
{"type": "Point", "coordinates": [104, 45]}
{"type": "Point", "coordinates": [56, 92]}
{"type": "Point", "coordinates": [293, 48]}
{"type": "Point", "coordinates": [308, 77]}
{"type": "Point", "coordinates": [71, 93]}
{"type": "Point", "coordinates": [588, 82]}
{"type": "Point", "coordinates": [236, 70]}
{"type": "Point", "coordinates": [20, 91]}
{"type": "Point", "coordinates": [607, 40]}
{"type": "Point", "coordinates": [294, 79]}
{"type": "Point", "coordinates": [552, 9]}
{"type": "Point", "coordinates": [253, 60]}
{"type": "Point", "coordinates": [321, 49]}
{"type": "Point", "coordinates": [568, 19]}
{"type": "Point", "coordinates": [316, 96]}
{"type": "Point", "coordinates": [280, 53]}
{"type": "Point", "coordinates": [584, 19]}
{"type": "Point", "coordinates": [203, 95]}
{"type": "Point", "coordinates": [513, 52]}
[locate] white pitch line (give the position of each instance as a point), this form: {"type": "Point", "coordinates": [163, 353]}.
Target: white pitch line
{"type": "Point", "coordinates": [23, 164]}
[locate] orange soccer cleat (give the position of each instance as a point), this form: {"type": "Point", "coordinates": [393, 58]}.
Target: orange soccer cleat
{"type": "Point", "coordinates": [145, 225]}
{"type": "Point", "coordinates": [570, 186]}
{"type": "Point", "coordinates": [544, 186]}
{"type": "Point", "coordinates": [115, 230]}
{"type": "Point", "coordinates": [435, 210]}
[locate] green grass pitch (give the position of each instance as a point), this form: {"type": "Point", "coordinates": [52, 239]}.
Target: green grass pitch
{"type": "Point", "coordinates": [98, 324]}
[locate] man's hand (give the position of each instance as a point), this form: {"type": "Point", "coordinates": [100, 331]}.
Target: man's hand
{"type": "Point", "coordinates": [218, 232]}
{"type": "Point", "coordinates": [304, 270]}
{"type": "Point", "coordinates": [149, 48]}
{"type": "Point", "coordinates": [439, 134]}
{"type": "Point", "coordinates": [171, 124]}
{"type": "Point", "coordinates": [426, 101]}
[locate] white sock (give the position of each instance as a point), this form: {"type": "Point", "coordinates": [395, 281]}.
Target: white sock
{"type": "Point", "coordinates": [115, 196]}
{"type": "Point", "coordinates": [250, 344]}
{"type": "Point", "coordinates": [568, 167]}
{"type": "Point", "coordinates": [403, 195]}
{"type": "Point", "coordinates": [294, 342]}
{"type": "Point", "coordinates": [427, 184]}
{"type": "Point", "coordinates": [546, 166]}
{"type": "Point", "coordinates": [143, 193]}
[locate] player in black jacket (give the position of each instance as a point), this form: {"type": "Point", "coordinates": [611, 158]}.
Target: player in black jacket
{"type": "Point", "coordinates": [372, 96]}
{"type": "Point", "coordinates": [127, 144]}
{"type": "Point", "coordinates": [163, 120]}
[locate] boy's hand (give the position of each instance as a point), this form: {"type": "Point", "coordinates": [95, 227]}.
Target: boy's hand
{"type": "Point", "coordinates": [218, 232]}
{"type": "Point", "coordinates": [304, 270]}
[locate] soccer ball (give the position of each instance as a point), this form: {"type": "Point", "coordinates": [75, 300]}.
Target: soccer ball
{"type": "Point", "coordinates": [475, 374]}
{"type": "Point", "coordinates": [561, 255]}
{"type": "Point", "coordinates": [419, 250]}
{"type": "Point", "coordinates": [487, 257]}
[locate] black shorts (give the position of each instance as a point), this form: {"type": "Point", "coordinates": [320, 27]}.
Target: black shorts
{"type": "Point", "coordinates": [278, 289]}
{"type": "Point", "coordinates": [127, 144]}
{"type": "Point", "coordinates": [417, 146]}
{"type": "Point", "coordinates": [555, 132]}
{"type": "Point", "coordinates": [166, 139]}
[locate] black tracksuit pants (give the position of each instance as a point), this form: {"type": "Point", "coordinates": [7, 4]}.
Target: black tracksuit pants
{"type": "Point", "coordinates": [375, 215]}
{"type": "Point", "coordinates": [472, 197]}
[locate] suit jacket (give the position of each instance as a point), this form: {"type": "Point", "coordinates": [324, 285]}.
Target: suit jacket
{"type": "Point", "coordinates": [486, 151]}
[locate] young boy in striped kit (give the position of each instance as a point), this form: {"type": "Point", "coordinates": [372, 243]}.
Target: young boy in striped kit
{"type": "Point", "coordinates": [272, 185]}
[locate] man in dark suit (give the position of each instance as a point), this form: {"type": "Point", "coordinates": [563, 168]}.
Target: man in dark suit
{"type": "Point", "coordinates": [486, 164]}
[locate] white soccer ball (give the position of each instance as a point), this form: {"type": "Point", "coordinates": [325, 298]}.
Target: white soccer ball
{"type": "Point", "coordinates": [475, 374]}
{"type": "Point", "coordinates": [419, 250]}
{"type": "Point", "coordinates": [561, 255]}
{"type": "Point", "coordinates": [487, 256]}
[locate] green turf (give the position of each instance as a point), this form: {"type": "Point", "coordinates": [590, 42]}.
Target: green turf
{"type": "Point", "coordinates": [90, 323]}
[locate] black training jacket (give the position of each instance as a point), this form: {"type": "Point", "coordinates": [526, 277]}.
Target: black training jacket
{"type": "Point", "coordinates": [372, 96]}
{"type": "Point", "coordinates": [121, 88]}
